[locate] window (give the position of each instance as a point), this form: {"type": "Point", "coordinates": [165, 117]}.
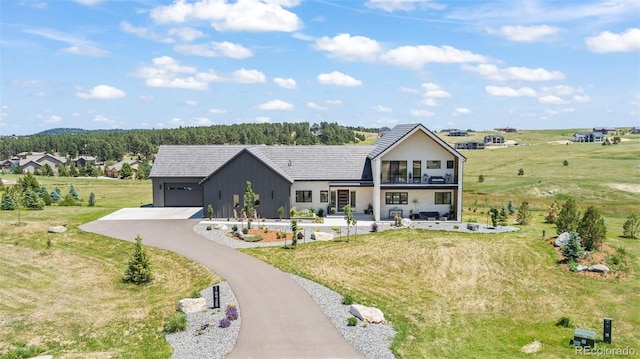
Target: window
{"type": "Point", "coordinates": [443, 197]}
{"type": "Point", "coordinates": [432, 165]}
{"type": "Point", "coordinates": [450, 164]}
{"type": "Point", "coordinates": [256, 200]}
{"type": "Point", "coordinates": [303, 196]}
{"type": "Point", "coordinates": [324, 196]}
{"type": "Point", "coordinates": [417, 171]}
{"type": "Point", "coordinates": [333, 198]}
{"type": "Point", "coordinates": [236, 200]}
{"type": "Point", "coordinates": [353, 199]}
{"type": "Point", "coordinates": [394, 171]}
{"type": "Point", "coordinates": [396, 198]}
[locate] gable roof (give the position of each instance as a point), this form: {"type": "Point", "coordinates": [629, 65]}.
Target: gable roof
{"type": "Point", "coordinates": [399, 132]}
{"type": "Point", "coordinates": [118, 165]}
{"type": "Point", "coordinates": [191, 160]}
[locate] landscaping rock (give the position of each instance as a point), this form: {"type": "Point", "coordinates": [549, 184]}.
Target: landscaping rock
{"type": "Point", "coordinates": [562, 239]}
{"type": "Point", "coordinates": [598, 268]}
{"type": "Point", "coordinates": [219, 226]}
{"type": "Point", "coordinates": [581, 268]}
{"type": "Point", "coordinates": [239, 234]}
{"type": "Point", "coordinates": [406, 222]}
{"type": "Point", "coordinates": [57, 229]}
{"type": "Point", "coordinates": [191, 305]}
{"type": "Point", "coordinates": [532, 347]}
{"type": "Point", "coordinates": [369, 314]}
{"type": "Point", "coordinates": [321, 236]}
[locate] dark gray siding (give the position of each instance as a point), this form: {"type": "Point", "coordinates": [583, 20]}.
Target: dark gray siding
{"type": "Point", "coordinates": [232, 179]}
{"type": "Point", "coordinates": [165, 197]}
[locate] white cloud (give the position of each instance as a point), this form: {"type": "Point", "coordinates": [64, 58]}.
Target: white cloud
{"type": "Point", "coordinates": [315, 106]}
{"type": "Point", "coordinates": [492, 72]}
{"type": "Point", "coordinates": [102, 92]}
{"type": "Point", "coordinates": [217, 111]}
{"type": "Point", "coordinates": [86, 50]}
{"type": "Point", "coordinates": [191, 103]}
{"type": "Point", "coordinates": [186, 34]}
{"type": "Point", "coordinates": [551, 112]}
{"type": "Point", "coordinates": [146, 98]}
{"type": "Point", "coordinates": [53, 119]}
{"type": "Point", "coordinates": [176, 121]}
{"type": "Point", "coordinates": [202, 121]}
{"type": "Point", "coordinates": [421, 113]}
{"type": "Point", "coordinates": [459, 111]}
{"type": "Point", "coordinates": [246, 15]}
{"type": "Point", "coordinates": [526, 33]}
{"type": "Point", "coordinates": [562, 90]}
{"type": "Point", "coordinates": [276, 105]}
{"type": "Point", "coordinates": [381, 109]}
{"type": "Point", "coordinates": [582, 98]}
{"type": "Point", "coordinates": [606, 41]}
{"type": "Point", "coordinates": [414, 57]}
{"type": "Point", "coordinates": [404, 5]}
{"type": "Point", "coordinates": [263, 119]}
{"type": "Point", "coordinates": [550, 99]}
{"type": "Point", "coordinates": [430, 102]}
{"type": "Point", "coordinates": [568, 109]}
{"type": "Point", "coordinates": [79, 46]}
{"type": "Point", "coordinates": [303, 37]}
{"type": "Point", "coordinates": [432, 90]}
{"type": "Point", "coordinates": [215, 49]}
{"type": "Point", "coordinates": [89, 2]}
{"type": "Point", "coordinates": [510, 92]}
{"type": "Point", "coordinates": [409, 90]}
{"type": "Point", "coordinates": [349, 48]}
{"type": "Point", "coordinates": [103, 119]}
{"type": "Point", "coordinates": [334, 102]}
{"type": "Point", "coordinates": [245, 76]}
{"type": "Point", "coordinates": [285, 83]}
{"type": "Point", "coordinates": [143, 33]}
{"type": "Point", "coordinates": [338, 79]}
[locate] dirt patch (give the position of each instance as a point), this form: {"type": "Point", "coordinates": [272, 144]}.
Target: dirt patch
{"type": "Point", "coordinates": [628, 187]}
{"type": "Point", "coordinates": [560, 142]}
{"type": "Point", "coordinates": [601, 256]}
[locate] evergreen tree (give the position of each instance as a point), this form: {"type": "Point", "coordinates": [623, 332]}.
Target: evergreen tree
{"type": "Point", "coordinates": [74, 192]}
{"type": "Point", "coordinates": [7, 204]}
{"type": "Point", "coordinates": [139, 269]}
{"type": "Point", "coordinates": [493, 213]}
{"type": "Point", "coordinates": [32, 200]}
{"type": "Point", "coordinates": [144, 170]}
{"type": "Point", "coordinates": [55, 196]}
{"type": "Point", "coordinates": [631, 226]}
{"type": "Point", "coordinates": [552, 212]}
{"type": "Point", "coordinates": [73, 171]}
{"type": "Point", "coordinates": [126, 171]}
{"type": "Point", "coordinates": [573, 248]}
{"type": "Point", "coordinates": [63, 171]}
{"type": "Point", "coordinates": [524, 215]}
{"type": "Point", "coordinates": [510, 208]}
{"type": "Point", "coordinates": [592, 229]}
{"type": "Point", "coordinates": [28, 181]}
{"type": "Point", "coordinates": [92, 200]}
{"type": "Point", "coordinates": [568, 218]}
{"type": "Point", "coordinates": [249, 200]}
{"type": "Point", "coordinates": [502, 218]}
{"type": "Point", "coordinates": [46, 198]}
{"type": "Point", "coordinates": [46, 170]}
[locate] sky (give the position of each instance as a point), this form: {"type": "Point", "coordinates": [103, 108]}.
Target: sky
{"type": "Point", "coordinates": [529, 64]}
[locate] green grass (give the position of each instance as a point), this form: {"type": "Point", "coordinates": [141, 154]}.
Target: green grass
{"type": "Point", "coordinates": [69, 299]}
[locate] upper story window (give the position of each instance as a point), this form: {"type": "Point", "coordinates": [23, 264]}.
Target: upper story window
{"type": "Point", "coordinates": [394, 171]}
{"type": "Point", "coordinates": [417, 171]}
{"type": "Point", "coordinates": [434, 164]}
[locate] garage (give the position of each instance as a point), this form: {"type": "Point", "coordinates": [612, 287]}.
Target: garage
{"type": "Point", "coordinates": [185, 194]}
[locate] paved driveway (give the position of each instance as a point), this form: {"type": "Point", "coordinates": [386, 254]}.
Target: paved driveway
{"type": "Point", "coordinates": [279, 319]}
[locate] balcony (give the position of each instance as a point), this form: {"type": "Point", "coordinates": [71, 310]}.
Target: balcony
{"type": "Point", "coordinates": [425, 180]}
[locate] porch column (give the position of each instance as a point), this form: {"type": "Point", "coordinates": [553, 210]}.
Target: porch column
{"type": "Point", "coordinates": [459, 196]}
{"type": "Point", "coordinates": [376, 168]}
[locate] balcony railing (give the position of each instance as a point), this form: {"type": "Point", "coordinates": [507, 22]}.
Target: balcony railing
{"type": "Point", "coordinates": [425, 179]}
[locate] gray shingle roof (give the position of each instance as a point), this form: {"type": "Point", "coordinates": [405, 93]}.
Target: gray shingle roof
{"type": "Point", "coordinates": [191, 161]}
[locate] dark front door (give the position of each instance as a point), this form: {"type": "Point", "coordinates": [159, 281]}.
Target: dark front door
{"type": "Point", "coordinates": [343, 199]}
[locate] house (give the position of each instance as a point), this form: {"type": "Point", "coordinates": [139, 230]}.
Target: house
{"type": "Point", "coordinates": [114, 171]}
{"type": "Point", "coordinates": [82, 161]}
{"type": "Point", "coordinates": [588, 137]}
{"type": "Point", "coordinates": [458, 133]}
{"type": "Point", "coordinates": [506, 129]}
{"type": "Point", "coordinates": [408, 169]}
{"type": "Point", "coordinates": [469, 145]}
{"type": "Point", "coordinates": [493, 139]}
{"type": "Point", "coordinates": [606, 130]}
{"type": "Point", "coordinates": [6, 164]}
{"type": "Point", "coordinates": [635, 130]}
{"type": "Point", "coordinates": [31, 162]}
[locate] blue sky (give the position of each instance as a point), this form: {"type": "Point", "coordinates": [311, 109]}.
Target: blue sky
{"type": "Point", "coordinates": [527, 64]}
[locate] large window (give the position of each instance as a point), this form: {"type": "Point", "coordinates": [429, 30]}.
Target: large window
{"type": "Point", "coordinates": [394, 171]}
{"type": "Point", "coordinates": [303, 196]}
{"type": "Point", "coordinates": [396, 198]}
{"type": "Point", "coordinates": [324, 196]}
{"type": "Point", "coordinates": [256, 200]}
{"type": "Point", "coordinates": [417, 171]}
{"type": "Point", "coordinates": [333, 199]}
{"type": "Point", "coordinates": [236, 200]}
{"type": "Point", "coordinates": [433, 164]}
{"type": "Point", "coordinates": [443, 197]}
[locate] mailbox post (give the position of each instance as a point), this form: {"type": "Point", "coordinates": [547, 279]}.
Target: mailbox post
{"type": "Point", "coordinates": [216, 297]}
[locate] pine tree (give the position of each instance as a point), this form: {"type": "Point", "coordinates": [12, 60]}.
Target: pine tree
{"type": "Point", "coordinates": [139, 269]}
{"type": "Point", "coordinates": [74, 192]}
{"type": "Point", "coordinates": [7, 204]}
{"type": "Point", "coordinates": [32, 200]}
{"type": "Point", "coordinates": [631, 226]}
{"type": "Point", "coordinates": [126, 171]}
{"type": "Point", "coordinates": [552, 213]}
{"type": "Point", "coordinates": [568, 218]}
{"type": "Point", "coordinates": [524, 215]}
{"type": "Point", "coordinates": [573, 248]}
{"type": "Point", "coordinates": [502, 218]}
{"type": "Point", "coordinates": [592, 229]}
{"type": "Point", "coordinates": [92, 200]}
{"type": "Point", "coordinates": [249, 200]}
{"type": "Point", "coordinates": [493, 213]}
{"type": "Point", "coordinates": [55, 196]}
{"type": "Point", "coordinates": [510, 208]}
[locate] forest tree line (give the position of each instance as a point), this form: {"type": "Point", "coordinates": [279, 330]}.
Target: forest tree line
{"type": "Point", "coordinates": [114, 145]}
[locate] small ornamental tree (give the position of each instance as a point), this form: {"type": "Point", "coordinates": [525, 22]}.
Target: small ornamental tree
{"type": "Point", "coordinates": [32, 200]}
{"type": "Point", "coordinates": [502, 217]}
{"type": "Point", "coordinates": [144, 170]}
{"type": "Point", "coordinates": [521, 172]}
{"type": "Point", "coordinates": [573, 248]}
{"type": "Point", "coordinates": [7, 204]}
{"type": "Point", "coordinates": [126, 171]}
{"type": "Point", "coordinates": [139, 269]}
{"type": "Point", "coordinates": [592, 229]}
{"type": "Point", "coordinates": [249, 200]}
{"type": "Point", "coordinates": [510, 208]}
{"type": "Point", "coordinates": [631, 226]}
{"type": "Point", "coordinates": [568, 218]}
{"type": "Point", "coordinates": [46, 198]}
{"type": "Point", "coordinates": [348, 216]}
{"type": "Point", "coordinates": [74, 192]}
{"type": "Point", "coordinates": [523, 215]}
{"type": "Point", "coordinates": [281, 212]}
{"type": "Point", "coordinates": [294, 230]}
{"type": "Point", "coordinates": [55, 196]}
{"type": "Point", "coordinates": [493, 213]}
{"type": "Point", "coordinates": [210, 211]}
{"type": "Point", "coordinates": [552, 212]}
{"type": "Point", "coordinates": [92, 200]}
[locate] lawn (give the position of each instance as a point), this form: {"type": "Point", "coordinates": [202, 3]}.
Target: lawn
{"type": "Point", "coordinates": [68, 299]}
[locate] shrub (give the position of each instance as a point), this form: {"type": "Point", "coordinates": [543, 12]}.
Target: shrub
{"type": "Point", "coordinates": [573, 248]}
{"type": "Point", "coordinates": [210, 211]}
{"type": "Point", "coordinates": [177, 323]}
{"type": "Point", "coordinates": [292, 211]}
{"type": "Point", "coordinates": [631, 226]}
{"type": "Point", "coordinates": [256, 238]}
{"type": "Point", "coordinates": [232, 312]}
{"type": "Point", "coordinates": [92, 200]}
{"type": "Point", "coordinates": [245, 230]}
{"type": "Point", "coordinates": [564, 322]}
{"type": "Point", "coordinates": [565, 163]}
{"type": "Point", "coordinates": [524, 215]}
{"type": "Point", "coordinates": [234, 227]}
{"type": "Point", "coordinates": [139, 270]}
{"type": "Point", "coordinates": [520, 172]}
{"type": "Point", "coordinates": [224, 322]}
{"type": "Point", "coordinates": [352, 321]}
{"type": "Point", "coordinates": [374, 227]}
{"type": "Point", "coordinates": [348, 299]}
{"type": "Point", "coordinates": [592, 229]}
{"type": "Point", "coordinates": [573, 265]}
{"type": "Point", "coordinates": [208, 228]}
{"type": "Point", "coordinates": [397, 221]}
{"type": "Point", "coordinates": [266, 230]}
{"type": "Point", "coordinates": [481, 178]}
{"type": "Point", "coordinates": [68, 201]}
{"type": "Point", "coordinates": [321, 212]}
{"type": "Point", "coordinates": [7, 204]}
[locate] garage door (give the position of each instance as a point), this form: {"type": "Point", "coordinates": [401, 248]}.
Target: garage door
{"type": "Point", "coordinates": [183, 195]}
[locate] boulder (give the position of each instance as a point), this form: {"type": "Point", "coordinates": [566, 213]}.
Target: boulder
{"type": "Point", "coordinates": [532, 347]}
{"type": "Point", "coordinates": [239, 234]}
{"type": "Point", "coordinates": [562, 239]}
{"type": "Point", "coordinates": [219, 226]}
{"type": "Point", "coordinates": [598, 268]}
{"type": "Point", "coordinates": [192, 305]}
{"type": "Point", "coordinates": [406, 222]}
{"type": "Point", "coordinates": [57, 229]}
{"type": "Point", "coordinates": [369, 314]}
{"type": "Point", "coordinates": [322, 236]}
{"type": "Point", "coordinates": [581, 268]}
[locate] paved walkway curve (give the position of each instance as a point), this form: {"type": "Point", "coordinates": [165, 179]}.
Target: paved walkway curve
{"type": "Point", "coordinates": [279, 319]}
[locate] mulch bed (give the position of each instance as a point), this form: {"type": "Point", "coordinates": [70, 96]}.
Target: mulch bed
{"type": "Point", "coordinates": [268, 237]}
{"type": "Point", "coordinates": [597, 257]}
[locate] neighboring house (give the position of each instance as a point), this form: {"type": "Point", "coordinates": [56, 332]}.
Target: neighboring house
{"type": "Point", "coordinates": [606, 130]}
{"type": "Point", "coordinates": [30, 163]}
{"type": "Point", "coordinates": [458, 133]}
{"type": "Point", "coordinates": [635, 130]}
{"type": "Point", "coordinates": [6, 164]}
{"type": "Point", "coordinates": [114, 171]}
{"type": "Point", "coordinates": [409, 168]}
{"type": "Point", "coordinates": [29, 166]}
{"type": "Point", "coordinates": [493, 139]}
{"type": "Point", "coordinates": [82, 161]}
{"type": "Point", "coordinates": [506, 129]}
{"type": "Point", "coordinates": [588, 137]}
{"type": "Point", "coordinates": [469, 145]}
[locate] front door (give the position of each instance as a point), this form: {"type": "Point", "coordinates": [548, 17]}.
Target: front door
{"type": "Point", "coordinates": [343, 199]}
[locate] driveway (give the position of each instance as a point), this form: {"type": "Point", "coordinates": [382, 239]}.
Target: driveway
{"type": "Point", "coordinates": [279, 318]}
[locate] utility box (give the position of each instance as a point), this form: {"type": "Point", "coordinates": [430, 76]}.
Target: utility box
{"type": "Point", "coordinates": [584, 338]}
{"type": "Point", "coordinates": [606, 333]}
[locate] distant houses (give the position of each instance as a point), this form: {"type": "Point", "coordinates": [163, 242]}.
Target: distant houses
{"type": "Point", "coordinates": [494, 139]}
{"type": "Point", "coordinates": [458, 133]}
{"type": "Point", "coordinates": [114, 170]}
{"type": "Point", "coordinates": [588, 137]}
{"type": "Point", "coordinates": [635, 130]}
{"type": "Point", "coordinates": [506, 129]}
{"type": "Point", "coordinates": [606, 130]}
{"type": "Point", "coordinates": [469, 145]}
